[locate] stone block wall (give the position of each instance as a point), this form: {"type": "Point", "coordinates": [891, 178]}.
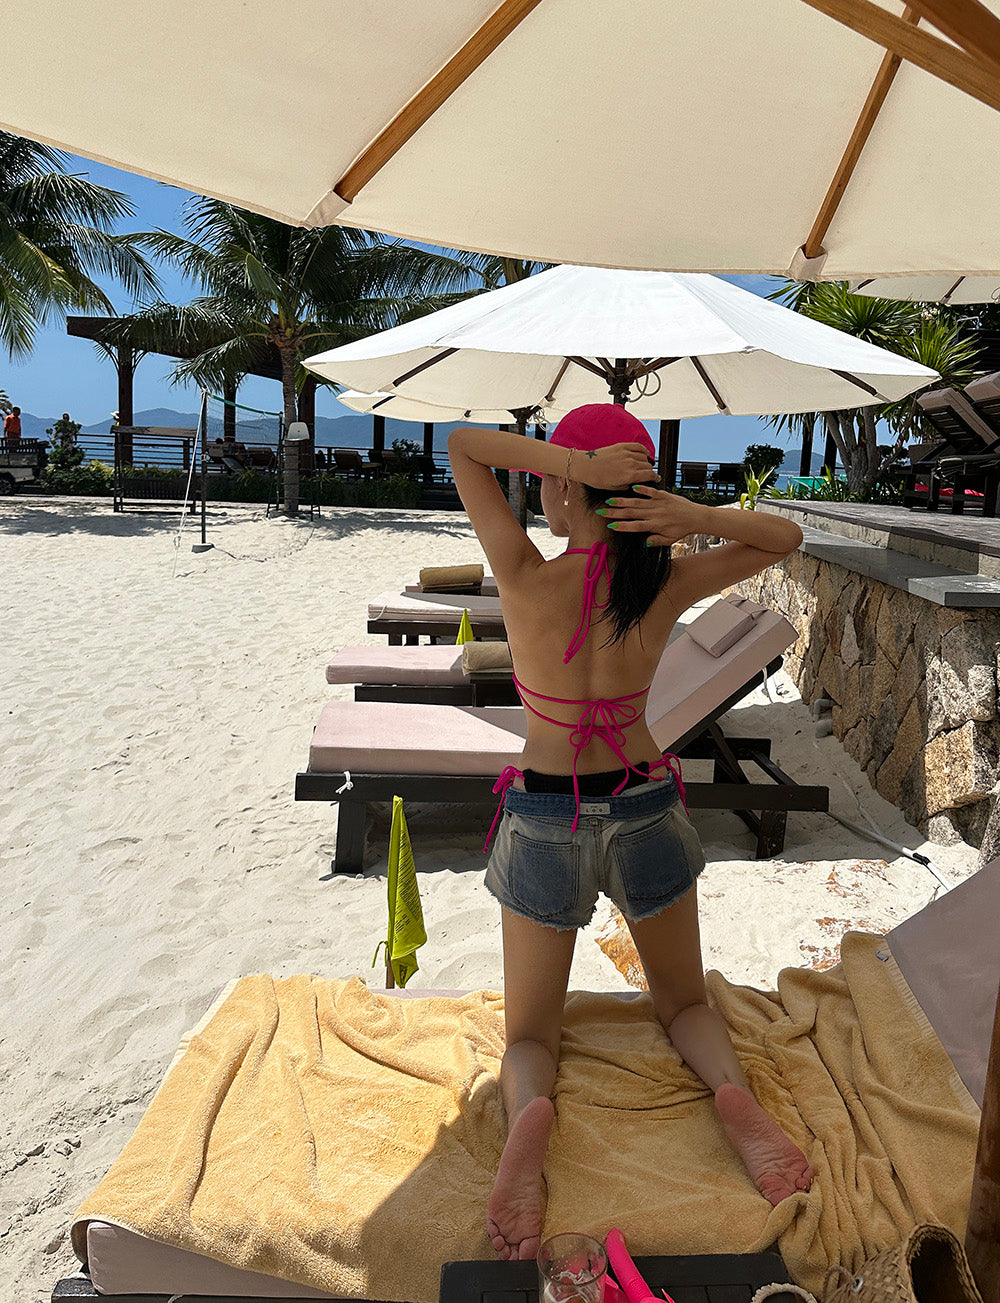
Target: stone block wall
{"type": "Point", "coordinates": [914, 687]}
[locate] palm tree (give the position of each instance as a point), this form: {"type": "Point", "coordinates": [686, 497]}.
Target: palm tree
{"type": "Point", "coordinates": [298, 291]}
{"type": "Point", "coordinates": [914, 330]}
{"type": "Point", "coordinates": [56, 231]}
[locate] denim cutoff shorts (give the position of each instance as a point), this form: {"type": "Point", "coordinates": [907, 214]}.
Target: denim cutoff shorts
{"type": "Point", "coordinates": [640, 849]}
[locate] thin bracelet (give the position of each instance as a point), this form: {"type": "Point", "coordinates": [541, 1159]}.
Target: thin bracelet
{"type": "Point", "coordinates": [569, 459]}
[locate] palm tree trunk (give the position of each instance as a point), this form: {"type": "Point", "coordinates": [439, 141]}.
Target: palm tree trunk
{"type": "Point", "coordinates": [291, 480]}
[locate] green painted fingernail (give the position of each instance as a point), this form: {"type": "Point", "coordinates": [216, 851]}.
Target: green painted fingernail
{"type": "Point", "coordinates": [600, 511]}
{"type": "Point", "coordinates": [611, 502]}
{"type": "Point", "coordinates": [650, 543]}
{"type": "Point", "coordinates": [612, 524]}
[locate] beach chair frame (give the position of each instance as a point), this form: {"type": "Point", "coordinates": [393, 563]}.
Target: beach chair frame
{"type": "Point", "coordinates": [400, 631]}
{"type": "Point", "coordinates": [763, 806]}
{"type": "Point", "coordinates": [80, 1288]}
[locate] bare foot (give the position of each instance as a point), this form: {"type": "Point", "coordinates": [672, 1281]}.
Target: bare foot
{"type": "Point", "coordinates": [514, 1220]}
{"type": "Point", "coordinates": [777, 1167]}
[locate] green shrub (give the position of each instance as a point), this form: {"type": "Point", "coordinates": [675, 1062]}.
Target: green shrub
{"type": "Point", "coordinates": [763, 457]}
{"type": "Point", "coordinates": [93, 480]}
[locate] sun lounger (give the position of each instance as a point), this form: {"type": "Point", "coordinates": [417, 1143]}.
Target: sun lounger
{"type": "Point", "coordinates": [962, 467]}
{"type": "Point", "coordinates": [931, 965]}
{"type": "Point", "coordinates": [432, 675]}
{"type": "Point", "coordinates": [435, 753]}
{"type": "Point", "coordinates": [411, 615]}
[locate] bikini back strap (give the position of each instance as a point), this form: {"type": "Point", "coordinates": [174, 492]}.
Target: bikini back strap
{"type": "Point", "coordinates": [595, 570]}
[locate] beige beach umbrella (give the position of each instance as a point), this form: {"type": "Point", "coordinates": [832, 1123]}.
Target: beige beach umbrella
{"type": "Point", "coordinates": [833, 138]}
{"type": "Point", "coordinates": [931, 289]}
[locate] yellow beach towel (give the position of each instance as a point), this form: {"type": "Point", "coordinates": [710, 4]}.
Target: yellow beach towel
{"type": "Point", "coordinates": [347, 1140]}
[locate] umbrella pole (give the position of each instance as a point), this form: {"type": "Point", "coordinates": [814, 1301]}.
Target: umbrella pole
{"type": "Point", "coordinates": [670, 437]}
{"type": "Point", "coordinates": [620, 382]}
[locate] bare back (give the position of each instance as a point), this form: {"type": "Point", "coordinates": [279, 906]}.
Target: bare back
{"type": "Point", "coordinates": [542, 611]}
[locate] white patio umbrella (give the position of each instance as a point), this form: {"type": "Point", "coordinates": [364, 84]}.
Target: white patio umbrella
{"type": "Point", "coordinates": [932, 289]}
{"type": "Point", "coordinates": [410, 409]}
{"type": "Point", "coordinates": [678, 345]}
{"type": "Point", "coordinates": [700, 135]}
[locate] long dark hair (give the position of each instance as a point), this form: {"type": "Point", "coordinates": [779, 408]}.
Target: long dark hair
{"type": "Point", "coordinates": [638, 574]}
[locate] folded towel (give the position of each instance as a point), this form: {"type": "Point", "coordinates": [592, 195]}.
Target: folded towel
{"type": "Point", "coordinates": [443, 579]}
{"type": "Point", "coordinates": [724, 623]}
{"type": "Point", "coordinates": [486, 658]}
{"type": "Point", "coordinates": [312, 1125]}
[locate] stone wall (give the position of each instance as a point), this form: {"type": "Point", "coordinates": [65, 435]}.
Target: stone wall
{"type": "Point", "coordinates": [914, 687]}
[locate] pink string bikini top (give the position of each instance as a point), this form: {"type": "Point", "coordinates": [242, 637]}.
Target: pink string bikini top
{"type": "Point", "coordinates": [605, 718]}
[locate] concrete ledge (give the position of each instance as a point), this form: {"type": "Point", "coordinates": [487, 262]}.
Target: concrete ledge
{"type": "Point", "coordinates": [927, 579]}
{"type": "Point", "coordinates": [965, 544]}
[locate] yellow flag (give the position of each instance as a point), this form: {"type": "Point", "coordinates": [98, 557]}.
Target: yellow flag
{"type": "Point", "coordinates": [465, 633]}
{"type": "Point", "coordinates": [406, 918]}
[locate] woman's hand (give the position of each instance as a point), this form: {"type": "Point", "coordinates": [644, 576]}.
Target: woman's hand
{"type": "Point", "coordinates": [611, 467]}
{"type": "Point", "coordinates": [665, 517]}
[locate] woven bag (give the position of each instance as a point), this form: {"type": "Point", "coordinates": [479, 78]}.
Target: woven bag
{"type": "Point", "coordinates": [929, 1266]}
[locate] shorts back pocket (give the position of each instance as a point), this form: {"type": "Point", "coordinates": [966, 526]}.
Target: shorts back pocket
{"type": "Point", "coordinates": [543, 876]}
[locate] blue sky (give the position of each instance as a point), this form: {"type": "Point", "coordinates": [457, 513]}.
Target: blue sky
{"type": "Point", "coordinates": [68, 374]}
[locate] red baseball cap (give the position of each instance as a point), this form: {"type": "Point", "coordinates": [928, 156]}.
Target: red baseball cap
{"type": "Point", "coordinates": [598, 425]}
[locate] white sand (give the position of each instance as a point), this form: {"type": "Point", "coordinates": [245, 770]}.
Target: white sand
{"type": "Point", "coordinates": [150, 729]}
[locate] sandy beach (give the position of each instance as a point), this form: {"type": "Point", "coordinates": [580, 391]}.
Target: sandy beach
{"type": "Point", "coordinates": [155, 706]}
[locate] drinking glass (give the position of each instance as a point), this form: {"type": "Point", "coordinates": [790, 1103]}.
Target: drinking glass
{"type": "Point", "coordinates": [571, 1269]}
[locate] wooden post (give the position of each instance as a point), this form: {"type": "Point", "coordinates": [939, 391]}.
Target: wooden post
{"type": "Point", "coordinates": [307, 413]}
{"type": "Point", "coordinates": [805, 461]}
{"type": "Point", "coordinates": [670, 437]}
{"type": "Point", "coordinates": [517, 489]}
{"type": "Point", "coordinates": [428, 450]}
{"type": "Point", "coordinates": [982, 1240]}
{"type": "Point", "coordinates": [125, 363]}
{"type": "Point", "coordinates": [378, 433]}
{"type": "Point", "coordinates": [229, 388]}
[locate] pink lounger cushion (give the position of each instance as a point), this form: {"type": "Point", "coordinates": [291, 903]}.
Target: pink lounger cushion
{"type": "Point", "coordinates": [383, 737]}
{"type": "Point", "coordinates": [417, 665]}
{"type": "Point", "coordinates": [432, 606]}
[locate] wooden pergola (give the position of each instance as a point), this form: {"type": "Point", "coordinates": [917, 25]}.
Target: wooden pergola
{"type": "Point", "coordinates": [126, 358]}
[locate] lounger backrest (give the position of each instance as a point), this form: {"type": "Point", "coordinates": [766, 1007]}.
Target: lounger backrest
{"type": "Point", "coordinates": [984, 394]}
{"type": "Point", "coordinates": [949, 956]}
{"type": "Point", "coordinates": [951, 413]}
{"type": "Point", "coordinates": [691, 681]}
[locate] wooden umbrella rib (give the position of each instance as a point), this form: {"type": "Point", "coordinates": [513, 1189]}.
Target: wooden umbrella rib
{"type": "Point", "coordinates": [946, 298]}
{"type": "Point", "coordinates": [966, 22]}
{"type": "Point", "coordinates": [551, 395]}
{"type": "Point", "coordinates": [861, 384]}
{"type": "Point", "coordinates": [655, 364]}
{"type": "Point", "coordinates": [431, 97]}
{"type": "Point", "coordinates": [707, 381]}
{"type": "Point", "coordinates": [934, 55]}
{"type": "Point", "coordinates": [382, 402]}
{"type": "Point", "coordinates": [813, 246]}
{"type": "Point", "coordinates": [431, 361]}
{"type": "Point", "coordinates": [588, 366]}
